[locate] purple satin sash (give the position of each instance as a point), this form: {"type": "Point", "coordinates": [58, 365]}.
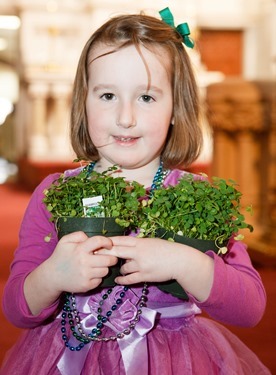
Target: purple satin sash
{"type": "Point", "coordinates": [72, 362]}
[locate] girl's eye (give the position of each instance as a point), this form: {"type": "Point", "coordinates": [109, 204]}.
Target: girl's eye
{"type": "Point", "coordinates": [147, 98]}
{"type": "Point", "coordinates": [108, 96]}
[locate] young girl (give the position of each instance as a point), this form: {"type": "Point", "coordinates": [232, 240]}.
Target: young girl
{"type": "Point", "coordinates": [135, 105]}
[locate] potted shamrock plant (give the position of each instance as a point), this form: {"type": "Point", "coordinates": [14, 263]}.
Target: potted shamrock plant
{"type": "Point", "coordinates": [95, 203]}
{"type": "Point", "coordinates": [197, 212]}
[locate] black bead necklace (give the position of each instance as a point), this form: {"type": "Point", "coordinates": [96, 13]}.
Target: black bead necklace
{"type": "Point", "coordinates": [71, 313]}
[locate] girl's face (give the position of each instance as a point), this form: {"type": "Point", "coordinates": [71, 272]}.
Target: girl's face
{"type": "Point", "coordinates": [128, 120]}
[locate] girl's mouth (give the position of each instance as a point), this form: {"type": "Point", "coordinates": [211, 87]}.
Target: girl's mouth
{"type": "Point", "coordinates": [125, 139]}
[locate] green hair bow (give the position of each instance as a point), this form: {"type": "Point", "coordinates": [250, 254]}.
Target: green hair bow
{"type": "Point", "coordinates": [182, 29]}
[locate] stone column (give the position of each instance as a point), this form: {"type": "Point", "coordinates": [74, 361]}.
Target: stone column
{"type": "Point", "coordinates": [267, 241]}
{"type": "Point", "coordinates": [38, 145]}
{"type": "Point", "coordinates": [59, 124]}
{"type": "Point", "coordinates": [243, 150]}
{"type": "Point", "coordinates": [249, 176]}
{"type": "Point", "coordinates": [271, 204]}
{"type": "Point", "coordinates": [225, 146]}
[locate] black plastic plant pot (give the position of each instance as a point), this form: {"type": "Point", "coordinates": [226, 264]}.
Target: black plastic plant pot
{"type": "Point", "coordinates": [172, 286]}
{"type": "Point", "coordinates": [94, 226]}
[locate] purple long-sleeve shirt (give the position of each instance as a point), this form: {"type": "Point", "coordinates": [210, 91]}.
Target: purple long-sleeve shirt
{"type": "Point", "coordinates": [237, 296]}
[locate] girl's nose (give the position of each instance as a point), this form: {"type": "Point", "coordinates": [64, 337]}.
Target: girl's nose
{"type": "Point", "coordinates": [126, 116]}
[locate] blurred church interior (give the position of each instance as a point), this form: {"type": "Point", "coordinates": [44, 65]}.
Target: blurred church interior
{"type": "Point", "coordinates": [235, 65]}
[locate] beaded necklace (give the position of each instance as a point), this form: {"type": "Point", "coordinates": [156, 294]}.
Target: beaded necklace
{"type": "Point", "coordinates": [71, 313]}
{"type": "Point", "coordinates": [157, 182]}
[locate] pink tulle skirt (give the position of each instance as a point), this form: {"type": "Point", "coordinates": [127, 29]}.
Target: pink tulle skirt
{"type": "Point", "coordinates": [200, 347]}
{"type": "Point", "coordinates": [187, 344]}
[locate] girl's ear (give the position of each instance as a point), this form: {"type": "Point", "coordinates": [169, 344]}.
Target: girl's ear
{"type": "Point", "coordinates": [172, 120]}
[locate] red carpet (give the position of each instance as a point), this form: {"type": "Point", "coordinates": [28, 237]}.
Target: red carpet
{"type": "Point", "coordinates": [13, 201]}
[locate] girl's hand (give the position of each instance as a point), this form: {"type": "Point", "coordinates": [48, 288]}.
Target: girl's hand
{"type": "Point", "coordinates": [157, 260]}
{"type": "Point", "coordinates": [74, 266]}
{"type": "Point", "coordinates": [147, 259]}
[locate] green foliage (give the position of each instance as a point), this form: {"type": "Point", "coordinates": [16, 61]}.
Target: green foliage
{"type": "Point", "coordinates": [195, 208]}
{"type": "Point", "coordinates": [120, 198]}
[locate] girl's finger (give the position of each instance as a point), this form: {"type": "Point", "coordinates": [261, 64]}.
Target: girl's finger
{"type": "Point", "coordinates": [124, 241]}
{"type": "Point", "coordinates": [132, 278]}
{"type": "Point", "coordinates": [124, 252]}
{"type": "Point", "coordinates": [128, 267]}
{"type": "Point", "coordinates": [99, 261]}
{"type": "Point", "coordinates": [88, 243]}
{"type": "Point", "coordinates": [74, 237]}
{"type": "Point", "coordinates": [95, 243]}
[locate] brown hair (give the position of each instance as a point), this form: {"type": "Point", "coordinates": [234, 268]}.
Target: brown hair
{"type": "Point", "coordinates": [184, 139]}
